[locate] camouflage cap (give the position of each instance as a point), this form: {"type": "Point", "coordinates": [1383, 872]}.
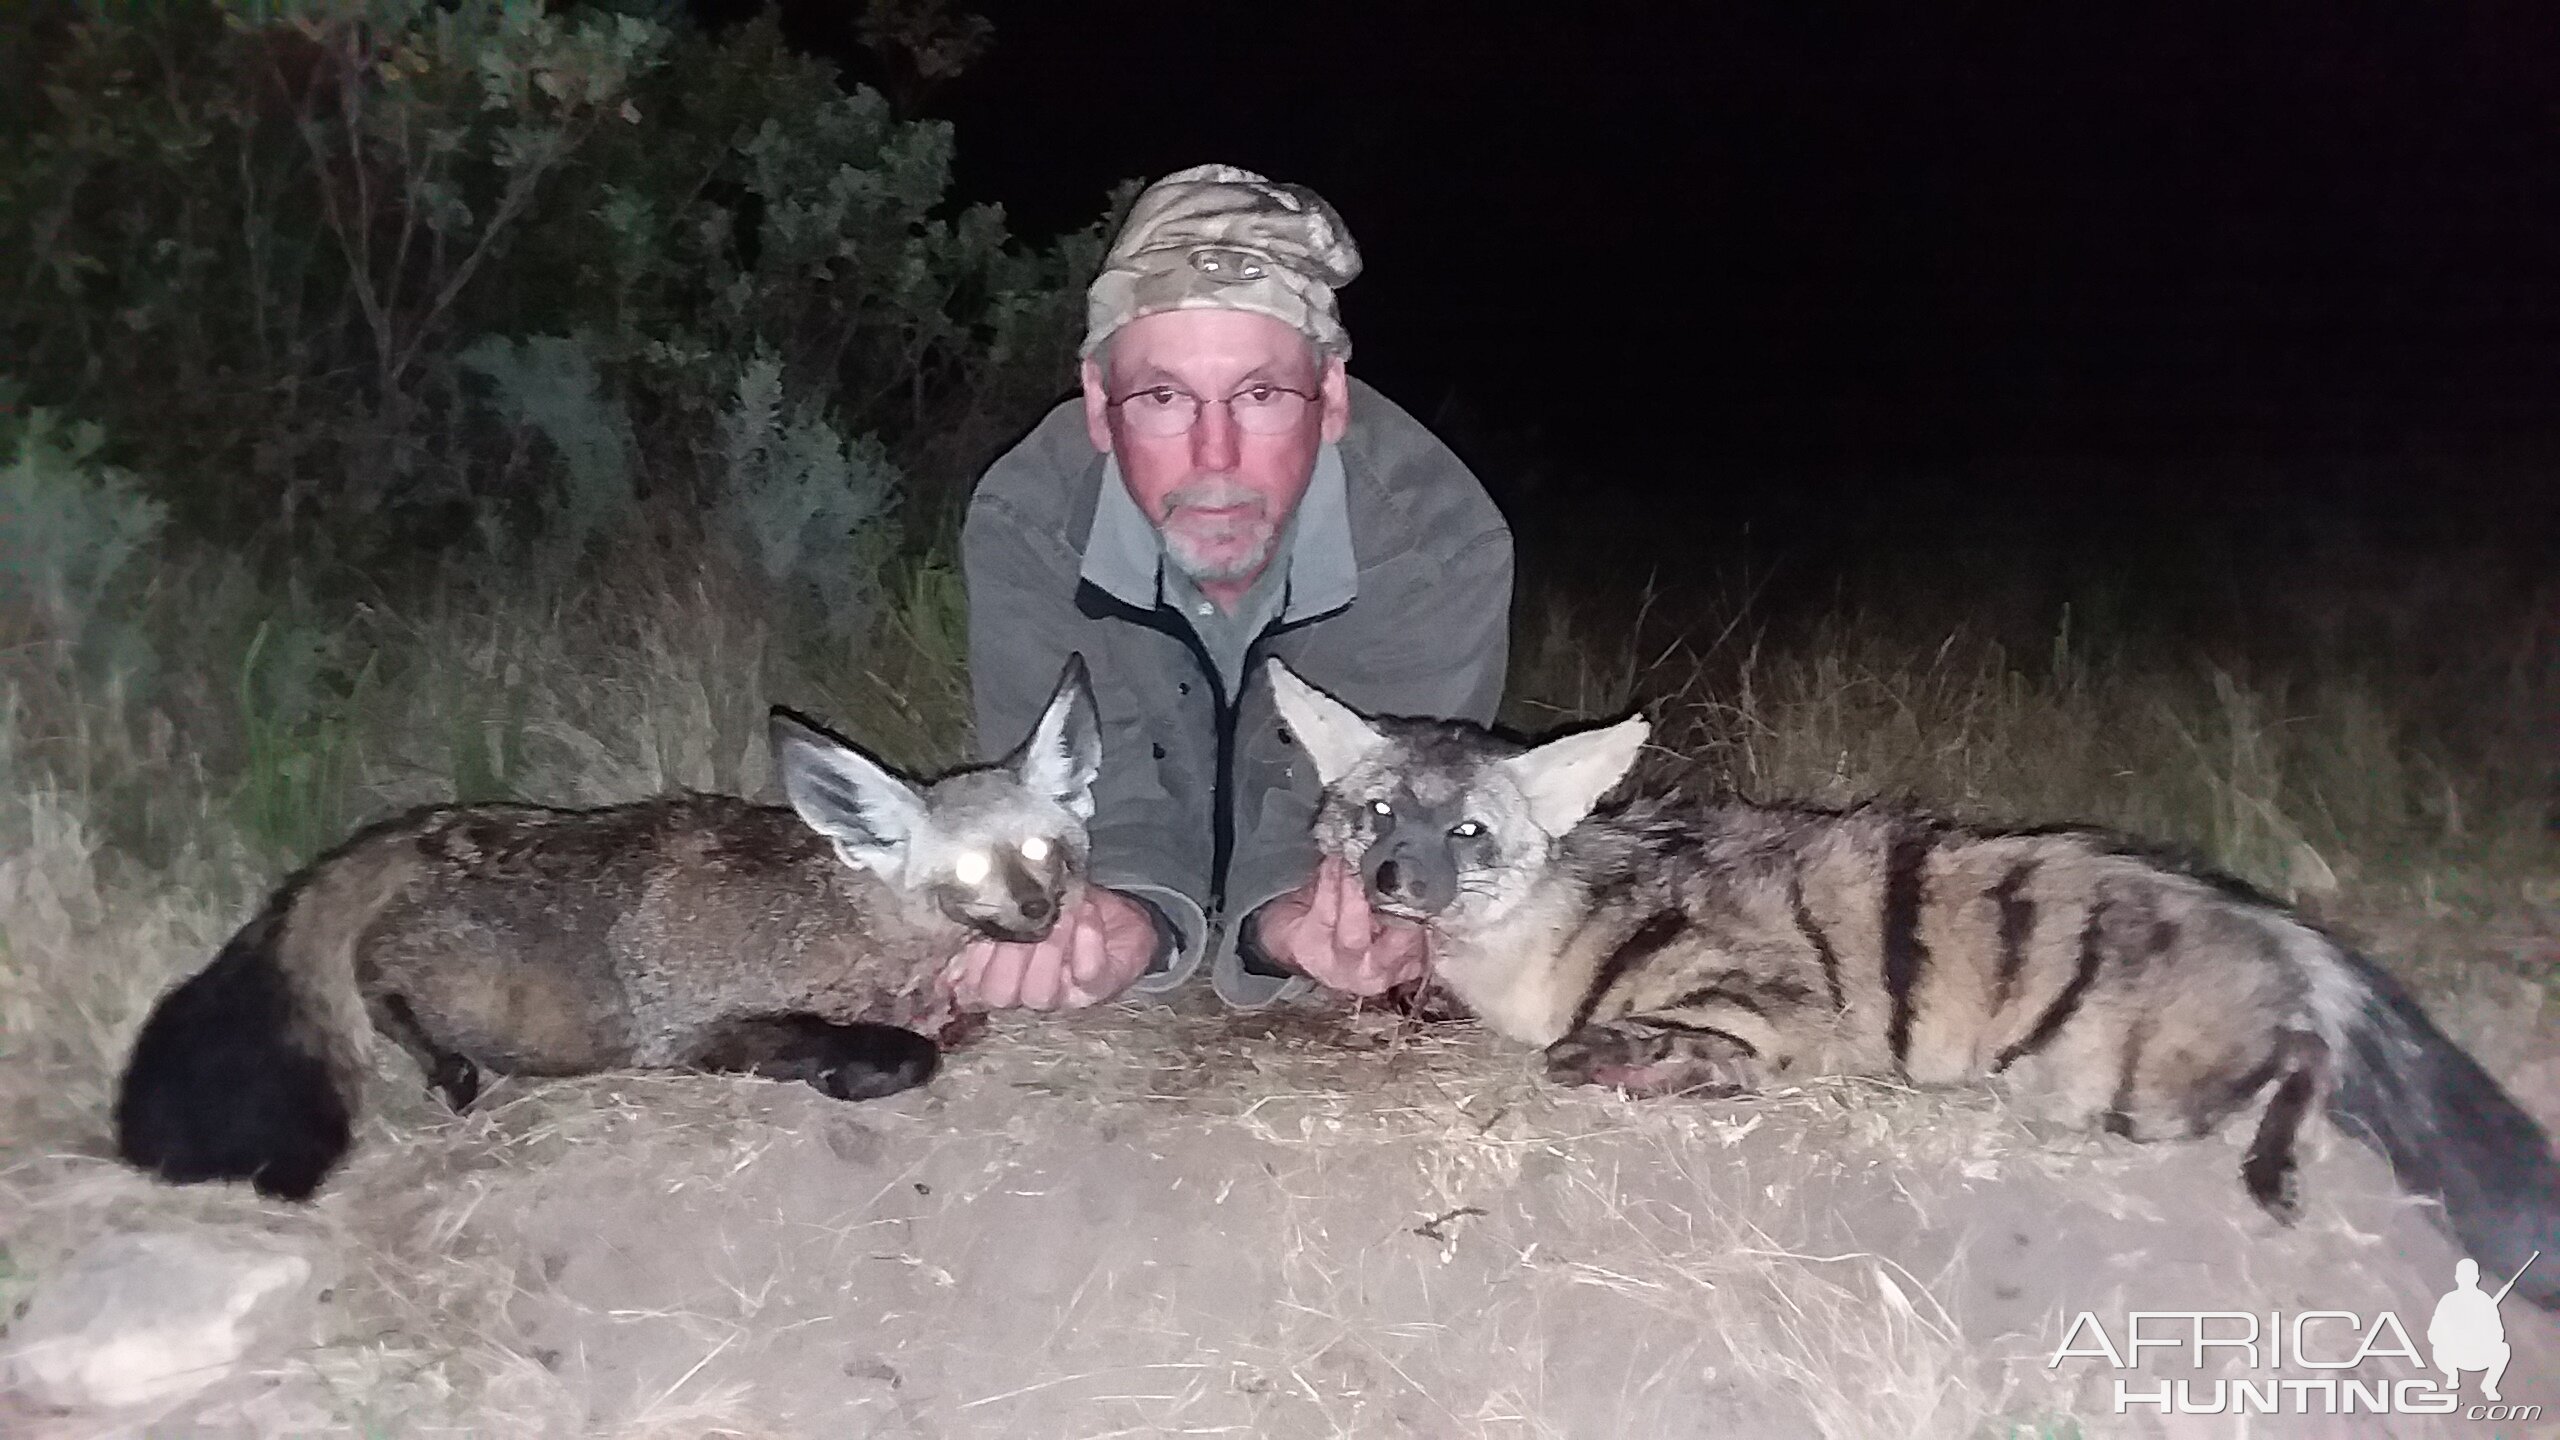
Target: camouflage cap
{"type": "Point", "coordinates": [1216, 237]}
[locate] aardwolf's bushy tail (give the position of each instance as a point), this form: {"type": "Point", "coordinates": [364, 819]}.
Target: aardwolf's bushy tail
{"type": "Point", "coordinates": [2449, 1131]}
{"type": "Point", "coordinates": [253, 1068]}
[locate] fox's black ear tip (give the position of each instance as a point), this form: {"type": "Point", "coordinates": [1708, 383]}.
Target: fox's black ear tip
{"type": "Point", "coordinates": [787, 726]}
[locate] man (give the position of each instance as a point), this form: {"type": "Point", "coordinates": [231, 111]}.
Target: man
{"type": "Point", "coordinates": [1222, 491]}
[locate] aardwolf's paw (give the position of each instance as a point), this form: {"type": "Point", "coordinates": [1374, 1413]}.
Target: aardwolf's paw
{"type": "Point", "coordinates": [1643, 1060]}
{"type": "Point", "coordinates": [1430, 1004]}
{"type": "Point", "coordinates": [2275, 1182]}
{"type": "Point", "coordinates": [458, 1080]}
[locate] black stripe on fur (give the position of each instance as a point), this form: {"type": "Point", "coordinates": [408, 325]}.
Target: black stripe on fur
{"type": "Point", "coordinates": [1904, 956]}
{"type": "Point", "coordinates": [2017, 924]}
{"type": "Point", "coordinates": [1821, 943]}
{"type": "Point", "coordinates": [1648, 939]}
{"type": "Point", "coordinates": [2119, 1116]}
{"type": "Point", "coordinates": [2066, 1004]}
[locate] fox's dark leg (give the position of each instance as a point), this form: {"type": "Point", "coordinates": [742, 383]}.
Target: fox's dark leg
{"type": "Point", "coordinates": [2270, 1169]}
{"type": "Point", "coordinates": [448, 1071]}
{"type": "Point", "coordinates": [861, 1061]}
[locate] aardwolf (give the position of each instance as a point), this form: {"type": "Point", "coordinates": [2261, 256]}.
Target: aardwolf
{"type": "Point", "coordinates": [692, 931]}
{"type": "Point", "coordinates": [1661, 943]}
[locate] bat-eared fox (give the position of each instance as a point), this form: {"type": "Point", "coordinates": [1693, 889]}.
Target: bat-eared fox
{"type": "Point", "coordinates": [690, 931]}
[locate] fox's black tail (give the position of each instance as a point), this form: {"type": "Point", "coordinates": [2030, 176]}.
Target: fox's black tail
{"type": "Point", "coordinates": [2449, 1131]}
{"type": "Point", "coordinates": [222, 1087]}
{"type": "Point", "coordinates": [253, 1068]}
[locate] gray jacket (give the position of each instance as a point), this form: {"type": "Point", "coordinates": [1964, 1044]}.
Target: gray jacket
{"type": "Point", "coordinates": [1398, 600]}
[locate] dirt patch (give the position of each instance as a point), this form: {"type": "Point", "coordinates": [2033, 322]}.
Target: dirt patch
{"type": "Point", "coordinates": [1154, 1220]}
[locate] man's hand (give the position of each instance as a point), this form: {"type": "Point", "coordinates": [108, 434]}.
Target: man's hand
{"type": "Point", "coordinates": [1099, 948]}
{"type": "Point", "coordinates": [1326, 930]}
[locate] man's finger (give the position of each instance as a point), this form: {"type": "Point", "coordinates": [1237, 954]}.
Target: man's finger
{"type": "Point", "coordinates": [1079, 995]}
{"type": "Point", "coordinates": [1326, 907]}
{"type": "Point", "coordinates": [1351, 915]}
{"type": "Point", "coordinates": [1087, 959]}
{"type": "Point", "coordinates": [1002, 984]}
{"type": "Point", "coordinates": [1044, 973]}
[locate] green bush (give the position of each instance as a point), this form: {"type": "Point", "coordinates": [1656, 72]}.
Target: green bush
{"type": "Point", "coordinates": [327, 270]}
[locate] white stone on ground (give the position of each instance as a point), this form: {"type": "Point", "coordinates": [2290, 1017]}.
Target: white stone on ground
{"type": "Point", "coordinates": [143, 1319]}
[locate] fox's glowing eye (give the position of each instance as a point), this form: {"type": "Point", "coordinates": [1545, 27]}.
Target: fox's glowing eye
{"type": "Point", "coordinates": [1466, 830]}
{"type": "Point", "coordinates": [1381, 809]}
{"type": "Point", "coordinates": [1035, 849]}
{"type": "Point", "coordinates": [970, 868]}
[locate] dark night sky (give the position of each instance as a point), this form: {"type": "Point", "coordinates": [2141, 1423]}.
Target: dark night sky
{"type": "Point", "coordinates": [1795, 239]}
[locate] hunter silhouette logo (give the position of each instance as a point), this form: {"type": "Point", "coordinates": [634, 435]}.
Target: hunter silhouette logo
{"type": "Point", "coordinates": [2466, 1333]}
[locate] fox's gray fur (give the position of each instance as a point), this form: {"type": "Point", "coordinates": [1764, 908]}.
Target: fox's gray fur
{"type": "Point", "coordinates": [1663, 943]}
{"type": "Point", "coordinates": [684, 932]}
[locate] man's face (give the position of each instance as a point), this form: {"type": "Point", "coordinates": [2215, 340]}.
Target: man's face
{"type": "Point", "coordinates": [1218, 492]}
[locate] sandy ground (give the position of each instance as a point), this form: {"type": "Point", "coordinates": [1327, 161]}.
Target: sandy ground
{"type": "Point", "coordinates": [1150, 1220]}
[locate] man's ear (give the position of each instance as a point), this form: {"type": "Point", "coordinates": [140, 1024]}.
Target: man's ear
{"type": "Point", "coordinates": [1565, 777]}
{"type": "Point", "coordinates": [1097, 411]}
{"type": "Point", "coordinates": [1335, 387]}
{"type": "Point", "coordinates": [1333, 733]}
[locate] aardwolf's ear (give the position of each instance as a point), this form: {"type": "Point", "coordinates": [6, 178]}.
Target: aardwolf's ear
{"type": "Point", "coordinates": [842, 794]}
{"type": "Point", "coordinates": [1564, 778]}
{"type": "Point", "coordinates": [1063, 753]}
{"type": "Point", "coordinates": [1333, 732]}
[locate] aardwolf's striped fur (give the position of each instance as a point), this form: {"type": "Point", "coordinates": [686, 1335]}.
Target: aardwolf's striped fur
{"type": "Point", "coordinates": [1667, 944]}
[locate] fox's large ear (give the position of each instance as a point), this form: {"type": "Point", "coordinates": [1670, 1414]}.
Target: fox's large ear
{"type": "Point", "coordinates": [1334, 734]}
{"type": "Point", "coordinates": [1564, 778]}
{"type": "Point", "coordinates": [842, 794]}
{"type": "Point", "coordinates": [1063, 753]}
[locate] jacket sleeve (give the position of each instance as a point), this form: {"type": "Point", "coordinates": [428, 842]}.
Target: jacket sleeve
{"type": "Point", "coordinates": [1023, 623]}
{"type": "Point", "coordinates": [1436, 643]}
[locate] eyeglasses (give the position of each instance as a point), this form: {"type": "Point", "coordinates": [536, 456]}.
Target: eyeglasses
{"type": "Point", "coordinates": [1164, 411]}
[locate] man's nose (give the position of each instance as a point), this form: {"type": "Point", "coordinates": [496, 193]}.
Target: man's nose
{"type": "Point", "coordinates": [1213, 438]}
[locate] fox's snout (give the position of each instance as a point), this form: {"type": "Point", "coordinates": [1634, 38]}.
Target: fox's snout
{"type": "Point", "coordinates": [1017, 903]}
{"type": "Point", "coordinates": [1027, 920]}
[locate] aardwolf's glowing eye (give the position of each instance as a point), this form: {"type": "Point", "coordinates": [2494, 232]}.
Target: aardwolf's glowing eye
{"type": "Point", "coordinates": [970, 868]}
{"type": "Point", "coordinates": [1466, 829]}
{"type": "Point", "coordinates": [1381, 809]}
{"type": "Point", "coordinates": [1035, 849]}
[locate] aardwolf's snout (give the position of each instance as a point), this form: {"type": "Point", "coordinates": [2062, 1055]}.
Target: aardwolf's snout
{"type": "Point", "coordinates": [1410, 878]}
